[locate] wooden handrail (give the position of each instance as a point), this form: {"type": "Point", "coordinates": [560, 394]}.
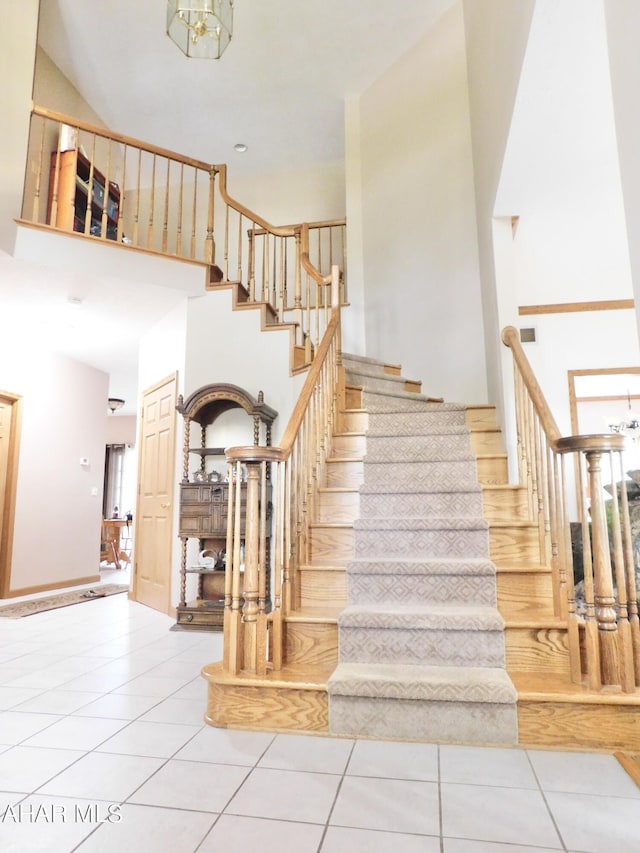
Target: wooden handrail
{"type": "Point", "coordinates": [130, 141]}
{"type": "Point", "coordinates": [511, 338]}
{"type": "Point", "coordinates": [604, 635]}
{"type": "Point", "coordinates": [287, 231]}
{"type": "Point", "coordinates": [306, 262]}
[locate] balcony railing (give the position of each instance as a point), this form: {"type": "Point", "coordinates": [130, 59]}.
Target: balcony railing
{"type": "Point", "coordinates": [106, 186]}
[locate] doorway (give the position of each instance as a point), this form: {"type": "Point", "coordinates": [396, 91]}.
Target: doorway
{"type": "Point", "coordinates": [156, 485]}
{"type": "Point", "coordinates": [10, 421]}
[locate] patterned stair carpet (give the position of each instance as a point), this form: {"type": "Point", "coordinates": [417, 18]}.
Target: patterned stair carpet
{"type": "Point", "coordinates": [61, 599]}
{"type": "Point", "coordinates": [421, 642]}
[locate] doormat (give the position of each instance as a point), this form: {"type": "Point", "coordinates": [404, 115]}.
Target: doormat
{"type": "Point", "coordinates": [63, 599]}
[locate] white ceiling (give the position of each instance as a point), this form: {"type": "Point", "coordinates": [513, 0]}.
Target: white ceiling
{"type": "Point", "coordinates": [279, 88]}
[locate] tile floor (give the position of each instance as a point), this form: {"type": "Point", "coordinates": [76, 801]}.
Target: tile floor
{"type": "Point", "coordinates": [103, 748]}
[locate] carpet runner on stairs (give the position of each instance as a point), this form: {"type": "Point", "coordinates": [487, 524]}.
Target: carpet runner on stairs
{"type": "Point", "coordinates": [421, 642]}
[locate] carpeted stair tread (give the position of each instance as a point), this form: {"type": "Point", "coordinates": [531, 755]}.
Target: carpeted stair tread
{"type": "Point", "coordinates": [431, 683]}
{"type": "Point", "coordinates": [404, 429]}
{"type": "Point", "coordinates": [420, 524]}
{"type": "Point", "coordinates": [398, 401]}
{"type": "Point", "coordinates": [452, 617]}
{"type": "Point", "coordinates": [453, 566]}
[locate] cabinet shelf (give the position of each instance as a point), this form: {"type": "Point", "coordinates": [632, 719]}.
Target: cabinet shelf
{"type": "Point", "coordinates": [79, 188]}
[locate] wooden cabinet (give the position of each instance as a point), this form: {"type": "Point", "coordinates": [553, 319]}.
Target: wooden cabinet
{"type": "Point", "coordinates": [81, 199]}
{"type": "Point", "coordinates": [204, 504]}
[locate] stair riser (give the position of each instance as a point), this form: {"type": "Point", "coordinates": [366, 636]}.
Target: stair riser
{"type": "Point", "coordinates": [492, 470]}
{"type": "Point", "coordinates": [338, 506]}
{"type": "Point", "coordinates": [421, 544]}
{"type": "Point", "coordinates": [514, 546]}
{"type": "Point", "coordinates": [487, 442]}
{"type": "Point", "coordinates": [330, 546]}
{"type": "Point", "coordinates": [509, 504]}
{"type": "Point", "coordinates": [353, 421]}
{"type": "Point", "coordinates": [481, 417]}
{"type": "Point", "coordinates": [441, 589]}
{"type": "Point", "coordinates": [414, 720]}
{"type": "Point", "coordinates": [267, 708]}
{"type": "Point", "coordinates": [380, 368]}
{"type": "Point", "coordinates": [311, 643]}
{"type": "Point", "coordinates": [385, 383]}
{"type": "Point", "coordinates": [415, 423]}
{"type": "Point", "coordinates": [353, 398]}
{"type": "Point", "coordinates": [537, 649]}
{"type": "Point", "coordinates": [349, 446]}
{"type": "Point", "coordinates": [421, 647]}
{"type": "Point", "coordinates": [429, 504]}
{"type": "Point", "coordinates": [400, 402]}
{"type": "Point", "coordinates": [422, 476]}
{"type": "Point", "coordinates": [525, 595]}
{"type": "Point", "coordinates": [326, 588]}
{"type": "Point", "coordinates": [346, 475]}
{"type": "Point", "coordinates": [403, 448]}
{"type": "Point", "coordinates": [608, 727]}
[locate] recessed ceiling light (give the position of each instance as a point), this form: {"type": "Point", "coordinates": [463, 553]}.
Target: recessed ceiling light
{"type": "Point", "coordinates": [240, 147]}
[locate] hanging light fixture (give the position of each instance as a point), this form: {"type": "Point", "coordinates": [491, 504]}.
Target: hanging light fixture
{"type": "Point", "coordinates": [200, 28]}
{"type": "Point", "coordinates": [628, 424]}
{"type": "Point", "coordinates": [114, 403]}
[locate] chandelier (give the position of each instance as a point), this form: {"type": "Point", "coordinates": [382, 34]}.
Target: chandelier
{"type": "Point", "coordinates": [628, 424]}
{"type": "Point", "coordinates": [200, 28]}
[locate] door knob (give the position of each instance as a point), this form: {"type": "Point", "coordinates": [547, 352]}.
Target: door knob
{"type": "Point", "coordinates": [165, 506]}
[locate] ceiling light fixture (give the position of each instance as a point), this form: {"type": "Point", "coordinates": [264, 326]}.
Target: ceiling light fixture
{"type": "Point", "coordinates": [240, 147]}
{"type": "Point", "coordinates": [201, 28]}
{"type": "Point", "coordinates": [114, 403]}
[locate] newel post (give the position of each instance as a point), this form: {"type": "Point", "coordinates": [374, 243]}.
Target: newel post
{"type": "Point", "coordinates": [602, 574]}
{"type": "Point", "coordinates": [209, 245]}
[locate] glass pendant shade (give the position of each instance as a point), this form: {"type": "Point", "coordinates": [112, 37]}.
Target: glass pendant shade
{"type": "Point", "coordinates": [201, 28]}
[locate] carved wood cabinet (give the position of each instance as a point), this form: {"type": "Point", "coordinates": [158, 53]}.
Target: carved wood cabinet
{"type": "Point", "coordinates": [204, 499]}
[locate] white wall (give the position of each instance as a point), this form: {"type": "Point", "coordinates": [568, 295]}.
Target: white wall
{"type": "Point", "coordinates": [496, 39]}
{"type": "Point", "coordinates": [57, 520]}
{"type": "Point", "coordinates": [421, 283]}
{"type": "Point", "coordinates": [623, 26]}
{"type": "Point", "coordinates": [17, 56]}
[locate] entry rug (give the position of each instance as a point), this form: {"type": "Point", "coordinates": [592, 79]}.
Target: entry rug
{"type": "Point", "coordinates": [63, 599]}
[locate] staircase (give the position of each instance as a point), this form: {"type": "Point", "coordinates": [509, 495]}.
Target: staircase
{"type": "Point", "coordinates": [421, 642]}
{"type": "Point", "coordinates": [394, 630]}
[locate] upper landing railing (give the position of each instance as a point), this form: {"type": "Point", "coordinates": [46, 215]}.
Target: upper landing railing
{"type": "Point", "coordinates": [88, 180]}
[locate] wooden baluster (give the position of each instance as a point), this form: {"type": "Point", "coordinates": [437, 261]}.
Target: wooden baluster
{"type": "Point", "coordinates": [120, 229]}
{"type": "Point", "coordinates": [279, 538]}
{"type": "Point", "coordinates": [53, 219]}
{"type": "Point", "coordinates": [343, 263]}
{"type": "Point", "coordinates": [209, 244]}
{"type": "Point", "coordinates": [105, 200]}
{"type": "Point", "coordinates": [264, 290]}
{"type": "Point", "coordinates": [89, 210]}
{"type": "Point", "coordinates": [284, 252]}
{"type": "Point", "coordinates": [566, 556]}
{"type": "Point", "coordinates": [629, 563]}
{"type": "Point", "coordinates": [165, 222]}
{"type": "Point", "coordinates": [251, 552]}
{"type": "Point", "coordinates": [274, 277]}
{"type": "Point", "coordinates": [194, 215]}
{"type": "Point", "coordinates": [297, 296]}
{"type": "Point", "coordinates": [136, 215]}
{"type": "Point", "coordinates": [263, 571]}
{"type": "Point", "coordinates": [236, 631]}
{"type": "Point", "coordinates": [251, 262]}
{"type": "Point", "coordinates": [179, 217]}
{"type": "Point", "coordinates": [592, 646]}
{"type": "Point", "coordinates": [627, 674]}
{"type": "Point", "coordinates": [225, 266]}
{"type": "Point", "coordinates": [35, 212]}
{"type": "Point", "coordinates": [152, 204]}
{"type": "Point", "coordinates": [604, 598]}
{"type": "Point", "coordinates": [239, 263]}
